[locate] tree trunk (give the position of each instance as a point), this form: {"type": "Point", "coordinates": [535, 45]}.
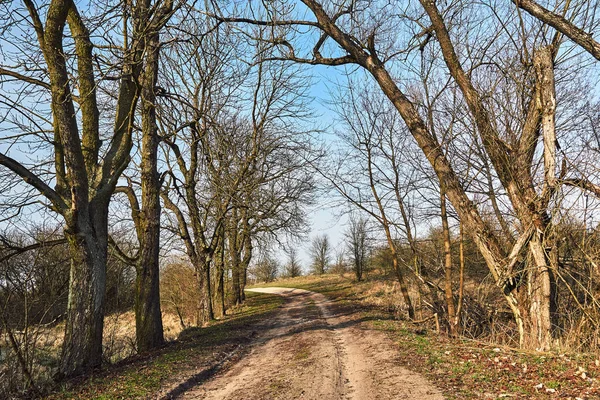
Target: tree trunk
{"type": "Point", "coordinates": [82, 348]}
{"type": "Point", "coordinates": [541, 285]}
{"type": "Point", "coordinates": [221, 290]}
{"type": "Point", "coordinates": [235, 257]}
{"type": "Point", "coordinates": [461, 283]}
{"type": "Point", "coordinates": [539, 292]}
{"type": "Point", "coordinates": [220, 263]}
{"type": "Point", "coordinates": [245, 263]}
{"type": "Point", "coordinates": [204, 306]}
{"type": "Point", "coordinates": [209, 314]}
{"type": "Point", "coordinates": [148, 318]}
{"type": "Point", "coordinates": [235, 273]}
{"type": "Point", "coordinates": [447, 263]}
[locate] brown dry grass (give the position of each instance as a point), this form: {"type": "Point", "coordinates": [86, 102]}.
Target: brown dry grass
{"type": "Point", "coordinates": [44, 343]}
{"type": "Point", "coordinates": [464, 368]}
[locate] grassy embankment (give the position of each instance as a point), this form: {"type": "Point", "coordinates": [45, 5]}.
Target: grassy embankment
{"type": "Point", "coordinates": [196, 355]}
{"type": "Point", "coordinates": [461, 368]}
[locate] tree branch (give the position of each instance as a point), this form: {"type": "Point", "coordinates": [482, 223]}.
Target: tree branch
{"type": "Point", "coordinates": [30, 178]}
{"type": "Point", "coordinates": [20, 250]}
{"type": "Point", "coordinates": [24, 78]}
{"type": "Point", "coordinates": [562, 25]}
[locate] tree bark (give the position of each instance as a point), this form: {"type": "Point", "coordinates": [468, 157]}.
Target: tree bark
{"type": "Point", "coordinates": [220, 264]}
{"type": "Point", "coordinates": [205, 311]}
{"type": "Point", "coordinates": [539, 293]}
{"type": "Point", "coordinates": [447, 263]}
{"type": "Point", "coordinates": [148, 318]}
{"type": "Point", "coordinates": [246, 259]}
{"type": "Point", "coordinates": [209, 313]}
{"type": "Point", "coordinates": [82, 346]}
{"type": "Point", "coordinates": [235, 257]}
{"type": "Point", "coordinates": [461, 283]}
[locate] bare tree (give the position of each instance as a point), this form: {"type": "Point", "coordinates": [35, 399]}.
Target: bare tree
{"type": "Point", "coordinates": [340, 262]}
{"type": "Point", "coordinates": [371, 172]}
{"type": "Point", "coordinates": [320, 251]}
{"type": "Point", "coordinates": [292, 267]}
{"type": "Point", "coordinates": [236, 161]}
{"type": "Point", "coordinates": [358, 243]}
{"type": "Point", "coordinates": [265, 269]}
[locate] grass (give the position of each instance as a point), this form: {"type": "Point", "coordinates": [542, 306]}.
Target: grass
{"type": "Point", "coordinates": [460, 368]}
{"type": "Point", "coordinates": [302, 354]}
{"type": "Point", "coordinates": [192, 355]}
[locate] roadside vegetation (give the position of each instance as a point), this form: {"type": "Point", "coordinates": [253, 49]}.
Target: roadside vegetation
{"type": "Point", "coordinates": [193, 357]}
{"type": "Point", "coordinates": [461, 368]}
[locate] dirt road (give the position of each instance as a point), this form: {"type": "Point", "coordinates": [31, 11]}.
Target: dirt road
{"type": "Point", "coordinates": [308, 352]}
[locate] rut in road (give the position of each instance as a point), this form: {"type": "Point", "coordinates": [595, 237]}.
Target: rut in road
{"type": "Point", "coordinates": [307, 352]}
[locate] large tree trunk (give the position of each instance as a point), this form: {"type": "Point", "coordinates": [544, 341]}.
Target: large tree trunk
{"type": "Point", "coordinates": [148, 318]}
{"type": "Point", "coordinates": [82, 348]}
{"type": "Point", "coordinates": [540, 277]}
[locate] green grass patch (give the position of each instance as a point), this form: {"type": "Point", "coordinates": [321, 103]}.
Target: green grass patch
{"type": "Point", "coordinates": [302, 354]}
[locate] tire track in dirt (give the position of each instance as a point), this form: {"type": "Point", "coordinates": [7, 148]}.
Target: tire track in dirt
{"type": "Point", "coordinates": [308, 352]}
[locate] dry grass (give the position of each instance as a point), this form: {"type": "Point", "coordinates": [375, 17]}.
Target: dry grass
{"type": "Point", "coordinates": [463, 368]}
{"type": "Point", "coordinates": [41, 347]}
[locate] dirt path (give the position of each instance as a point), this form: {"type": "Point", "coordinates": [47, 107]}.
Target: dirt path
{"type": "Point", "coordinates": [307, 352]}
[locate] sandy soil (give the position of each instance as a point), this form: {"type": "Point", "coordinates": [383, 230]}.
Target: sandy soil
{"type": "Point", "coordinates": [310, 352]}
